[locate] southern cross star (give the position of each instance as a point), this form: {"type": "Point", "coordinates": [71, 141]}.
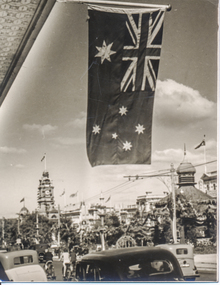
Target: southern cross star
{"type": "Point", "coordinates": [114, 136]}
{"type": "Point", "coordinates": [140, 129]}
{"type": "Point", "coordinates": [96, 129]}
{"type": "Point", "coordinates": [123, 110]}
{"type": "Point", "coordinates": [105, 52]}
{"type": "Point", "coordinates": [127, 146]}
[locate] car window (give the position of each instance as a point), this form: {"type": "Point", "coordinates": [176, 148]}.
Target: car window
{"type": "Point", "coordinates": [142, 271]}
{"type": "Point", "coordinates": [94, 272]}
{"type": "Point", "coordinates": [89, 272]}
{"type": "Point", "coordinates": [181, 251]}
{"type": "Point", "coordinates": [23, 259]}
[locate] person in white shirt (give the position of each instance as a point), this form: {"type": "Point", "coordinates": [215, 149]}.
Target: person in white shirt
{"type": "Point", "coordinates": [65, 258]}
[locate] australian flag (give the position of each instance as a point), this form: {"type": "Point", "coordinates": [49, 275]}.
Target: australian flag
{"type": "Point", "coordinates": [124, 54]}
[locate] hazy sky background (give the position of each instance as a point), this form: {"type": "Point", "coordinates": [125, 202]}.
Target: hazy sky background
{"type": "Point", "coordinates": [45, 109]}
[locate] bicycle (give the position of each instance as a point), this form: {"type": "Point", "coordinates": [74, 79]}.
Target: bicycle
{"type": "Point", "coordinates": [69, 276]}
{"type": "Point", "coordinates": [49, 269]}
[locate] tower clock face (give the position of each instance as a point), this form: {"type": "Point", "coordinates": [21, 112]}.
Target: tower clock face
{"type": "Point", "coordinates": [47, 192]}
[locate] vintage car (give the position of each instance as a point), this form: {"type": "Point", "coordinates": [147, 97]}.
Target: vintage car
{"type": "Point", "coordinates": [21, 265]}
{"type": "Point", "coordinates": [185, 256]}
{"type": "Point", "coordinates": [129, 264]}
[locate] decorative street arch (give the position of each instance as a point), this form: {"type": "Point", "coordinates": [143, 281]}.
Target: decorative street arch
{"type": "Point", "coordinates": [125, 241]}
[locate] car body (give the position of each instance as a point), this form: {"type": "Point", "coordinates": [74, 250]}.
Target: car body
{"type": "Point", "coordinates": [185, 256]}
{"type": "Point", "coordinates": [129, 264]}
{"type": "Point", "coordinates": [21, 265]}
{"type": "Point", "coordinates": [3, 249]}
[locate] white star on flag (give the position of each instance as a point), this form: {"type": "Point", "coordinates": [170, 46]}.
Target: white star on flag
{"type": "Point", "coordinates": [114, 136]}
{"type": "Point", "coordinates": [140, 129]}
{"type": "Point", "coordinates": [127, 146]}
{"type": "Point", "coordinates": [123, 110]}
{"type": "Point", "coordinates": [96, 129]}
{"type": "Point", "coordinates": [105, 52]}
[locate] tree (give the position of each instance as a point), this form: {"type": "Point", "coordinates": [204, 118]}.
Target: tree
{"type": "Point", "coordinates": [211, 224]}
{"type": "Point", "coordinates": [68, 233]}
{"type": "Point", "coordinates": [10, 231]}
{"type": "Point", "coordinates": [28, 228]}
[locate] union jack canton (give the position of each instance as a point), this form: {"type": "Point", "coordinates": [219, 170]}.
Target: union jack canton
{"type": "Point", "coordinates": [150, 49]}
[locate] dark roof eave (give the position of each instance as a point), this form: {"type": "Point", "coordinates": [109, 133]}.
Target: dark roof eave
{"type": "Point", "coordinates": [37, 22]}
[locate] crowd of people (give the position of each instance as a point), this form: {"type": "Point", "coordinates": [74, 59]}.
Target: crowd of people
{"type": "Point", "coordinates": [68, 256]}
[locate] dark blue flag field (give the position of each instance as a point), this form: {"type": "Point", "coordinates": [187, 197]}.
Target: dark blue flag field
{"type": "Point", "coordinates": [124, 54]}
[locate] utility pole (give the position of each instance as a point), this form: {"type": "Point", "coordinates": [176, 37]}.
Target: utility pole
{"type": "Point", "coordinates": [3, 231]}
{"type": "Point", "coordinates": [19, 224]}
{"type": "Point", "coordinates": [102, 229]}
{"type": "Point", "coordinates": [172, 170]}
{"type": "Point", "coordinates": [37, 224]}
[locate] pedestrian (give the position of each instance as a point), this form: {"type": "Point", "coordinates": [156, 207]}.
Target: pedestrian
{"type": "Point", "coordinates": [73, 258]}
{"type": "Point", "coordinates": [48, 255]}
{"type": "Point", "coordinates": [65, 259]}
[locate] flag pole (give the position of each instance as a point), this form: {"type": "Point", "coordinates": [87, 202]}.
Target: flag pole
{"type": "Point", "coordinates": [205, 155]}
{"type": "Point", "coordinates": [64, 200]}
{"type": "Point", "coordinates": [102, 216]}
{"type": "Point", "coordinates": [172, 170]}
{"type": "Point", "coordinates": [45, 162]}
{"type": "Point", "coordinates": [131, 4]}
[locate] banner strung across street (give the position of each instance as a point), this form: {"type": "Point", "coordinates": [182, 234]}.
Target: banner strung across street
{"type": "Point", "coordinates": [124, 54]}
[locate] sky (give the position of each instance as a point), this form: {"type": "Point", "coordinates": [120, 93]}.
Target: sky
{"type": "Point", "coordinates": [45, 111]}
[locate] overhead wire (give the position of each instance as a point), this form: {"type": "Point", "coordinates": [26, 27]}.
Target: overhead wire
{"type": "Point", "coordinates": [137, 178]}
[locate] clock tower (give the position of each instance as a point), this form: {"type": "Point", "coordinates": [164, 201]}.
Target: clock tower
{"type": "Point", "coordinates": [45, 195]}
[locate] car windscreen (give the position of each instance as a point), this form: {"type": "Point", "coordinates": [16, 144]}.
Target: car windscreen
{"type": "Point", "coordinates": [159, 269]}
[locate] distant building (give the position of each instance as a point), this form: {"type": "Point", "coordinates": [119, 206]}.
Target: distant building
{"type": "Point", "coordinates": [186, 174]}
{"type": "Point", "coordinates": [45, 197]}
{"type": "Point", "coordinates": [209, 183]}
{"type": "Point", "coordinates": [22, 214]}
{"type": "Point", "coordinates": [74, 214]}
{"type": "Point", "coordinates": [196, 199]}
{"type": "Point", "coordinates": [85, 215]}
{"type": "Point", "coordinates": [127, 213]}
{"type": "Point", "coordinates": [147, 202]}
{"type": "Point", "coordinates": [186, 182]}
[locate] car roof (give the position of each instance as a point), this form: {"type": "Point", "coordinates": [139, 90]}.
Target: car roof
{"type": "Point", "coordinates": [173, 247]}
{"type": "Point", "coordinates": [117, 255]}
{"type": "Point", "coordinates": [7, 258]}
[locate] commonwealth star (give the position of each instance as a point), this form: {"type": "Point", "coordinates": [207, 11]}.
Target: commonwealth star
{"type": "Point", "coordinates": [123, 110]}
{"type": "Point", "coordinates": [114, 136]}
{"type": "Point", "coordinates": [105, 52]}
{"type": "Point", "coordinates": [96, 129]}
{"type": "Point", "coordinates": [140, 129]}
{"type": "Point", "coordinates": [127, 146]}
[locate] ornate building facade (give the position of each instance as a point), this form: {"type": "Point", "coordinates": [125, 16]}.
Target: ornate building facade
{"type": "Point", "coordinates": [45, 197]}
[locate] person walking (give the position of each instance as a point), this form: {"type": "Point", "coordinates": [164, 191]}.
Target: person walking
{"type": "Point", "coordinates": [65, 259]}
{"type": "Point", "coordinates": [73, 259]}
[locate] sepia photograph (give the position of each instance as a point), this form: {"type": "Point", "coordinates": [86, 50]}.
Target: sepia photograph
{"type": "Point", "coordinates": [108, 141]}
